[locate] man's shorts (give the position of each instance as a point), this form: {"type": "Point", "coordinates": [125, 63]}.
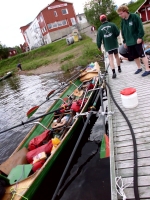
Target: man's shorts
{"type": "Point", "coordinates": [136, 51]}
{"type": "Point", "coordinates": [114, 51]}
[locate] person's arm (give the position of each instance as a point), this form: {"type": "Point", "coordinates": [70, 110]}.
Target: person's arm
{"type": "Point", "coordinates": [122, 33]}
{"type": "Point", "coordinates": [116, 30]}
{"type": "Point", "coordinates": [140, 30]}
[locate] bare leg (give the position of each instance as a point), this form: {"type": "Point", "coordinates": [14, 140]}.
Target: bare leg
{"type": "Point", "coordinates": [117, 59]}
{"type": "Point", "coordinates": [111, 60]}
{"type": "Point", "coordinates": [145, 61]}
{"type": "Point", "coordinates": [137, 61]}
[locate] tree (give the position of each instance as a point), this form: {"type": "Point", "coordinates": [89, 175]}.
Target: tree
{"type": "Point", "coordinates": [4, 52]}
{"type": "Point", "coordinates": [94, 8]}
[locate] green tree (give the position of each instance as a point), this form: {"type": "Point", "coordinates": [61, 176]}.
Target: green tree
{"type": "Point", "coordinates": [4, 52]}
{"type": "Point", "coordinates": [93, 9]}
{"type": "Point", "coordinates": [18, 49]}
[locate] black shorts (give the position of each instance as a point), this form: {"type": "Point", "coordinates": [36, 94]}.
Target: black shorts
{"type": "Point", "coordinates": [136, 51]}
{"type": "Point", "coordinates": [115, 51]}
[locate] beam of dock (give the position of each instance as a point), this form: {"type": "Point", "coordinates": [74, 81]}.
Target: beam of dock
{"type": "Point", "coordinates": [121, 144]}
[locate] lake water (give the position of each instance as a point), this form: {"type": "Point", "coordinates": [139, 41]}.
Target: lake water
{"type": "Point", "coordinates": [88, 177]}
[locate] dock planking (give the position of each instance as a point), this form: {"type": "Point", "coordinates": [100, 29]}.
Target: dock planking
{"type": "Point", "coordinates": [121, 143]}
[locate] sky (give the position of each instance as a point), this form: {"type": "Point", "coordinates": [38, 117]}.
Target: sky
{"type": "Point", "coordinates": [15, 14]}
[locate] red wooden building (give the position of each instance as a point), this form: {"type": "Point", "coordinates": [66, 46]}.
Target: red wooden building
{"type": "Point", "coordinates": [144, 11]}
{"type": "Point", "coordinates": [53, 22]}
{"type": "Point", "coordinates": [12, 52]}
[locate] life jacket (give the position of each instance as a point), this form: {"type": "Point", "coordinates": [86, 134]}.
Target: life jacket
{"type": "Point", "coordinates": [76, 105]}
{"type": "Point", "coordinates": [38, 165]}
{"type": "Point", "coordinates": [44, 148]}
{"type": "Point", "coordinates": [39, 140]}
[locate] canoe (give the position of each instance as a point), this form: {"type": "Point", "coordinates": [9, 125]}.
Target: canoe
{"type": "Point", "coordinates": [34, 157]}
{"type": "Point", "coordinates": [6, 76]}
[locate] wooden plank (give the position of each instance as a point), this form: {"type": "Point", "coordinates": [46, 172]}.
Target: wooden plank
{"type": "Point", "coordinates": [129, 155]}
{"type": "Point", "coordinates": [139, 118]}
{"type": "Point", "coordinates": [142, 171]}
{"type": "Point", "coordinates": [130, 163]}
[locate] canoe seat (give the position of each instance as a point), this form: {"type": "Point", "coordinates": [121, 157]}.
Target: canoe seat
{"type": "Point", "coordinates": [17, 158]}
{"type": "Point", "coordinates": [19, 173]}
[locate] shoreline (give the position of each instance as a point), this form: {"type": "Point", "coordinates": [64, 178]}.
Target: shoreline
{"type": "Point", "coordinates": [41, 70]}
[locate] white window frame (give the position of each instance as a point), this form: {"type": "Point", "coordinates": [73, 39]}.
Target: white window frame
{"type": "Point", "coordinates": [55, 14]}
{"type": "Point", "coordinates": [64, 10]}
{"type": "Point", "coordinates": [73, 21]}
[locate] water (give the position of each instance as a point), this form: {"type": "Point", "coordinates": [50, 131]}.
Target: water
{"type": "Point", "coordinates": [88, 176]}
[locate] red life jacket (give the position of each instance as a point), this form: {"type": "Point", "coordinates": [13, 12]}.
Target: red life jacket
{"type": "Point", "coordinates": [44, 148]}
{"type": "Point", "coordinates": [38, 140]}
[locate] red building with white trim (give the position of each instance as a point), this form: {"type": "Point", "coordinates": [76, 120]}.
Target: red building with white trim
{"type": "Point", "coordinates": [53, 22]}
{"type": "Point", "coordinates": [144, 11]}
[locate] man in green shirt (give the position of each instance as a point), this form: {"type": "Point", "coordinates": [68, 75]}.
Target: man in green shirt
{"type": "Point", "coordinates": [132, 33]}
{"type": "Point", "coordinates": [107, 34]}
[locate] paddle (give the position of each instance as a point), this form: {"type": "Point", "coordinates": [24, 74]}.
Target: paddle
{"type": "Point", "coordinates": [23, 123]}
{"type": "Point", "coordinates": [34, 109]}
{"type": "Point", "coordinates": [75, 148]}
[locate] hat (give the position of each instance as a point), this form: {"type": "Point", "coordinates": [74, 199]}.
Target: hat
{"type": "Point", "coordinates": [102, 17]}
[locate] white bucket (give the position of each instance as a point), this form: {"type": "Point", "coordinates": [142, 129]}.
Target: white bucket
{"type": "Point", "coordinates": [129, 97]}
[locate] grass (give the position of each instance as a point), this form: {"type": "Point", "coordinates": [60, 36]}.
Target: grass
{"type": "Point", "coordinates": [68, 56]}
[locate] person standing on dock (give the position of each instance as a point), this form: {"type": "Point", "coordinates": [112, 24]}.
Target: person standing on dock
{"type": "Point", "coordinates": [132, 33]}
{"type": "Point", "coordinates": [107, 34]}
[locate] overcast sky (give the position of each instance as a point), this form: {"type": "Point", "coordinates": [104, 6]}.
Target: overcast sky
{"type": "Point", "coordinates": [14, 14]}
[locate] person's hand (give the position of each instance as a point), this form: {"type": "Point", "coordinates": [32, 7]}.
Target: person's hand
{"type": "Point", "coordinates": [99, 49]}
{"type": "Point", "coordinates": [139, 41]}
{"type": "Point", "coordinates": [125, 46]}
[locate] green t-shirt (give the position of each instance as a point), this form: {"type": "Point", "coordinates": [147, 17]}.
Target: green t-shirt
{"type": "Point", "coordinates": [107, 34]}
{"type": "Point", "coordinates": [132, 29]}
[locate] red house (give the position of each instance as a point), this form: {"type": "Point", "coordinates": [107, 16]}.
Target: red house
{"type": "Point", "coordinates": [52, 23]}
{"type": "Point", "coordinates": [144, 11]}
{"type": "Point", "coordinates": [12, 52]}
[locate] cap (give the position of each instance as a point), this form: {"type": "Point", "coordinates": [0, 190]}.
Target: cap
{"type": "Point", "coordinates": [102, 17]}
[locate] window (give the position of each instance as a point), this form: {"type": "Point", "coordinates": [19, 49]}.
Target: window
{"type": "Point", "coordinates": [73, 21]}
{"type": "Point", "coordinates": [55, 14]}
{"type": "Point", "coordinates": [64, 11]}
{"type": "Point", "coordinates": [60, 23]}
{"type": "Point", "coordinates": [57, 24]}
{"type": "Point", "coordinates": [14, 52]}
{"type": "Point", "coordinates": [64, 22]}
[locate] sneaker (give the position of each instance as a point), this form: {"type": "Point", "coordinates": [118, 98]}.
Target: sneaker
{"type": "Point", "coordinates": [146, 73]}
{"type": "Point", "coordinates": [114, 75]}
{"type": "Point", "coordinates": [119, 70]}
{"type": "Point", "coordinates": [138, 71]}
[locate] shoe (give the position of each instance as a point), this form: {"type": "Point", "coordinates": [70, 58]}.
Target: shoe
{"type": "Point", "coordinates": [146, 73]}
{"type": "Point", "coordinates": [121, 60]}
{"type": "Point", "coordinates": [138, 71]}
{"type": "Point", "coordinates": [114, 75]}
{"type": "Point", "coordinates": [119, 70]}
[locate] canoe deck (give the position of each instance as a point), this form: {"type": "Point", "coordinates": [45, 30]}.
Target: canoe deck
{"type": "Point", "coordinates": [121, 143]}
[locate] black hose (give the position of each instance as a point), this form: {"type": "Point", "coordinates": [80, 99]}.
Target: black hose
{"type": "Point", "coordinates": [135, 178]}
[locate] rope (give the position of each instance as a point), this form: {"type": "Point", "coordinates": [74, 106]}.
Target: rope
{"type": "Point", "coordinates": [120, 188]}
{"type": "Point", "coordinates": [14, 192]}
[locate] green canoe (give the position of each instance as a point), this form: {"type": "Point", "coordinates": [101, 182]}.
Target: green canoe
{"type": "Point", "coordinates": [18, 172]}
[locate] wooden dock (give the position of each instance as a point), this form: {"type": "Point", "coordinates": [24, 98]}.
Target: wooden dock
{"type": "Point", "coordinates": [121, 143]}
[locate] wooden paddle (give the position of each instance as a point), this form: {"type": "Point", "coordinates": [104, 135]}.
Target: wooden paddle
{"type": "Point", "coordinates": [23, 123]}
{"type": "Point", "coordinates": [34, 109]}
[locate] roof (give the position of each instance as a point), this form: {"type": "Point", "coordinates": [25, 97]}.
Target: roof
{"type": "Point", "coordinates": [141, 6]}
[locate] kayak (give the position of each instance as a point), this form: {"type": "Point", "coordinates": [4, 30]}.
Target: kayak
{"type": "Point", "coordinates": [6, 76]}
{"type": "Point", "coordinates": [34, 157]}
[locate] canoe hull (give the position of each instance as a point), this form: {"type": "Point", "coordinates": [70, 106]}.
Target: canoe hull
{"type": "Point", "coordinates": [28, 186]}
